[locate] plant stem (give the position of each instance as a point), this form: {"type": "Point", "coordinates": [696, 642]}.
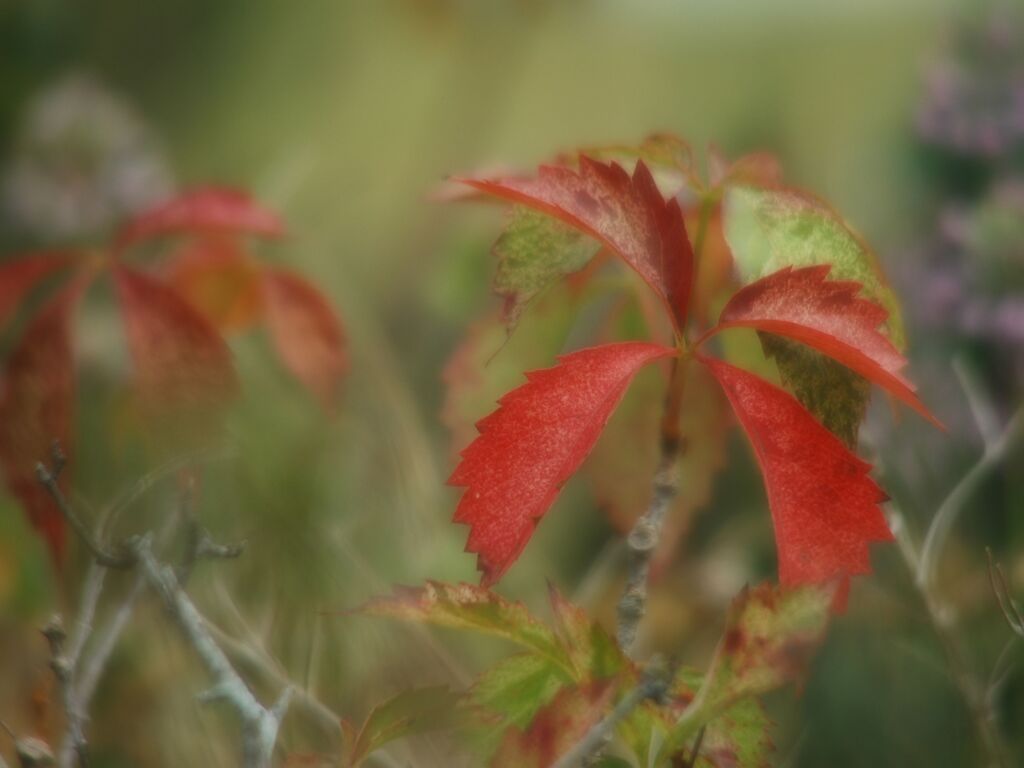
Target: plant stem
{"type": "Point", "coordinates": [644, 536]}
{"type": "Point", "coordinates": [942, 623]}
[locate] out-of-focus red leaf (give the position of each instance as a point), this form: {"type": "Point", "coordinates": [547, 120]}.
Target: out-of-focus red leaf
{"type": "Point", "coordinates": [184, 375]}
{"type": "Point", "coordinates": [823, 503]}
{"type": "Point", "coordinates": [36, 404]}
{"type": "Point", "coordinates": [627, 214]}
{"type": "Point", "coordinates": [218, 279]}
{"type": "Point", "coordinates": [203, 210]}
{"type": "Point", "coordinates": [534, 442]}
{"type": "Point", "coordinates": [556, 728]}
{"type": "Point", "coordinates": [19, 276]}
{"type": "Point", "coordinates": [829, 316]}
{"type": "Point", "coordinates": [307, 334]}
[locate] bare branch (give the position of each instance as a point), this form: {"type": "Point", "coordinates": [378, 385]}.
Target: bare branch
{"type": "Point", "coordinates": [960, 669]}
{"type": "Point", "coordinates": [949, 510]}
{"type": "Point", "coordinates": [259, 724]}
{"type": "Point", "coordinates": [641, 543]}
{"type": "Point", "coordinates": [103, 555]}
{"type": "Point", "coordinates": [62, 670]}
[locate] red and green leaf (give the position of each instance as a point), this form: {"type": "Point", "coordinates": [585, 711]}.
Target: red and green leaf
{"type": "Point", "coordinates": [470, 608]}
{"type": "Point", "coordinates": [769, 637]}
{"type": "Point", "coordinates": [737, 737]}
{"type": "Point", "coordinates": [626, 213]}
{"type": "Point", "coordinates": [824, 505]}
{"type": "Point", "coordinates": [306, 333]}
{"type": "Point", "coordinates": [36, 404]}
{"type": "Point", "coordinates": [828, 315]}
{"type": "Point", "coordinates": [593, 653]}
{"type": "Point", "coordinates": [769, 228]}
{"type": "Point", "coordinates": [209, 210]}
{"type": "Point", "coordinates": [184, 376]}
{"type": "Point", "coordinates": [556, 728]}
{"type": "Point", "coordinates": [533, 252]}
{"type": "Point", "coordinates": [534, 442]}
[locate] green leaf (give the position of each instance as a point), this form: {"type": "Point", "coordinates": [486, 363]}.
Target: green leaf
{"type": "Point", "coordinates": [594, 654]}
{"type": "Point", "coordinates": [771, 228]}
{"type": "Point", "coordinates": [473, 608]}
{"type": "Point", "coordinates": [407, 713]}
{"type": "Point", "coordinates": [516, 687]}
{"type": "Point", "coordinates": [769, 635]}
{"type": "Point", "coordinates": [738, 738]}
{"type": "Point", "coordinates": [534, 251]}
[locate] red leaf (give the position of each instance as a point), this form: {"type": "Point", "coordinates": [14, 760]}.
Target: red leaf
{"type": "Point", "coordinates": [628, 215]}
{"type": "Point", "coordinates": [829, 316]}
{"type": "Point", "coordinates": [183, 368]}
{"type": "Point", "coordinates": [36, 404]}
{"type": "Point", "coordinates": [534, 442]}
{"type": "Point", "coordinates": [306, 333]}
{"type": "Point", "coordinates": [203, 210]}
{"type": "Point", "coordinates": [19, 276]}
{"type": "Point", "coordinates": [217, 278]}
{"type": "Point", "coordinates": [824, 505]}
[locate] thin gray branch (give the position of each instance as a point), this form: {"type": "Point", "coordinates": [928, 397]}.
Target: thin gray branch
{"type": "Point", "coordinates": [259, 724]}
{"type": "Point", "coordinates": [641, 543]}
{"type": "Point", "coordinates": [103, 555]}
{"type": "Point", "coordinates": [979, 402]}
{"type": "Point", "coordinates": [949, 510]}
{"type": "Point", "coordinates": [62, 670]}
{"type": "Point", "coordinates": [941, 617]}
{"type": "Point", "coordinates": [93, 665]}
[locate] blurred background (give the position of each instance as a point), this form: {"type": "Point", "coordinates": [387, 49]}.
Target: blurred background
{"type": "Point", "coordinates": [908, 116]}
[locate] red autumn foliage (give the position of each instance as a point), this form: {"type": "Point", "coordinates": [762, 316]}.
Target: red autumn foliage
{"type": "Point", "coordinates": [824, 506]}
{"type": "Point", "coordinates": [182, 365]}
{"type": "Point", "coordinates": [802, 304]}
{"type": "Point", "coordinates": [627, 214]}
{"type": "Point", "coordinates": [36, 405]}
{"type": "Point", "coordinates": [203, 211]}
{"type": "Point", "coordinates": [184, 376]}
{"type": "Point", "coordinates": [534, 442]}
{"type": "Point", "coordinates": [306, 334]}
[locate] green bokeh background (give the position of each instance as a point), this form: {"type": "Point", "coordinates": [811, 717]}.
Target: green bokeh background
{"type": "Point", "coordinates": [344, 115]}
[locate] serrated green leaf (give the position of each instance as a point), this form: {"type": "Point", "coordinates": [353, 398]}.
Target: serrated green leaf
{"type": "Point", "coordinates": [594, 654]}
{"type": "Point", "coordinates": [509, 694]}
{"type": "Point", "coordinates": [771, 228]}
{"type": "Point", "coordinates": [516, 687]}
{"type": "Point", "coordinates": [534, 251]}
